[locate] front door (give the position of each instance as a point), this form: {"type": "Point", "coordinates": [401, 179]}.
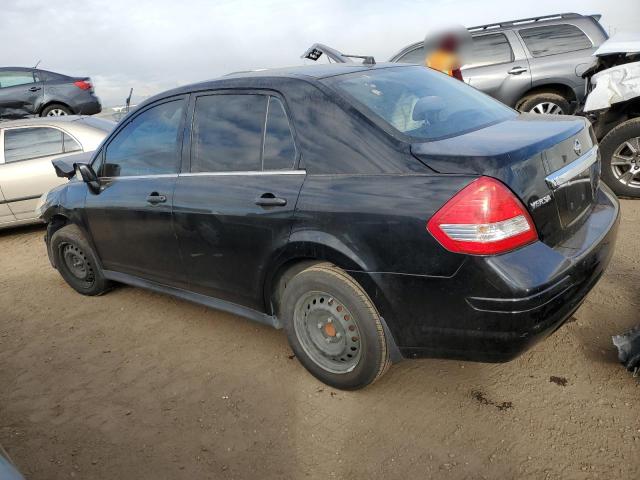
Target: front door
{"type": "Point", "coordinates": [20, 94]}
{"type": "Point", "coordinates": [498, 67]}
{"type": "Point", "coordinates": [234, 205]}
{"type": "Point", "coordinates": [129, 219]}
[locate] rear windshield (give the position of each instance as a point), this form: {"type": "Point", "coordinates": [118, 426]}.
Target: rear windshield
{"type": "Point", "coordinates": [420, 102]}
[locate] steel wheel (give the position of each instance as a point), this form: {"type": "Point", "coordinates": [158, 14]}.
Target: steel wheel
{"type": "Point", "coordinates": [625, 163]}
{"type": "Point", "coordinates": [56, 112]}
{"type": "Point", "coordinates": [547, 108]}
{"type": "Point", "coordinates": [327, 332]}
{"type": "Point", "coordinates": [76, 263]}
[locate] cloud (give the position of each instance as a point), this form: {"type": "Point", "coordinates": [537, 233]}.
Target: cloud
{"type": "Point", "coordinates": [155, 45]}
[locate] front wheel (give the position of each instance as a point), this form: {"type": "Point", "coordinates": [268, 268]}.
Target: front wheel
{"type": "Point", "coordinates": [620, 150]}
{"type": "Point", "coordinates": [333, 327]}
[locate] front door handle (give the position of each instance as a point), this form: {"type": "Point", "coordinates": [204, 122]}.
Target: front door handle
{"type": "Point", "coordinates": [517, 71]}
{"type": "Point", "coordinates": [155, 198]}
{"type": "Point", "coordinates": [270, 200]}
{"type": "Point", "coordinates": [34, 89]}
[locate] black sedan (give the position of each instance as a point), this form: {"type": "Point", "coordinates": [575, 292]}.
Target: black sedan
{"type": "Point", "coordinates": [376, 212]}
{"type": "Point", "coordinates": [26, 92]}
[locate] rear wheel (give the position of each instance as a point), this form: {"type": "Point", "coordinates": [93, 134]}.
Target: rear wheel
{"type": "Point", "coordinates": [545, 103]}
{"type": "Point", "coordinates": [76, 261]}
{"type": "Point", "coordinates": [620, 149]}
{"type": "Point", "coordinates": [55, 110]}
{"type": "Point", "coordinates": [334, 328]}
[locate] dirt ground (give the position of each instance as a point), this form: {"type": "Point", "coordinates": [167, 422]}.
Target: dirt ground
{"type": "Point", "coordinates": [135, 385]}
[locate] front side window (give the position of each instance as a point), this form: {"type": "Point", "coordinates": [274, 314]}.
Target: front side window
{"type": "Point", "coordinates": [148, 145]}
{"type": "Point", "coordinates": [27, 143]}
{"type": "Point", "coordinates": [227, 133]}
{"type": "Point", "coordinates": [554, 39]}
{"type": "Point", "coordinates": [420, 102]}
{"type": "Point", "coordinates": [12, 79]}
{"type": "Point", "coordinates": [490, 50]}
{"type": "Point", "coordinates": [279, 148]}
{"type": "Point", "coordinates": [416, 55]}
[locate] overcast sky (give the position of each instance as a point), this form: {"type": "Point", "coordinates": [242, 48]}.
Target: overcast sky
{"type": "Point", "coordinates": [152, 45]}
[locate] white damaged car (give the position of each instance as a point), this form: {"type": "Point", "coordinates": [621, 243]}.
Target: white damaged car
{"type": "Point", "coordinates": [613, 106]}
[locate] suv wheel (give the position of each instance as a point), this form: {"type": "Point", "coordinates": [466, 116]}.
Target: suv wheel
{"type": "Point", "coordinates": [56, 110]}
{"type": "Point", "coordinates": [76, 261]}
{"type": "Point", "coordinates": [620, 149]}
{"type": "Point", "coordinates": [545, 103]}
{"type": "Point", "coordinates": [333, 327]}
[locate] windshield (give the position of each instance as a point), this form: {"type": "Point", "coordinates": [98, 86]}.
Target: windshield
{"type": "Point", "coordinates": [420, 102]}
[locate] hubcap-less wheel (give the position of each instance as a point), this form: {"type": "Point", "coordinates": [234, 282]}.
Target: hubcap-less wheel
{"type": "Point", "coordinates": [56, 112]}
{"type": "Point", "coordinates": [548, 108]}
{"type": "Point", "coordinates": [625, 163]}
{"type": "Point", "coordinates": [327, 332]}
{"type": "Point", "coordinates": [76, 263]}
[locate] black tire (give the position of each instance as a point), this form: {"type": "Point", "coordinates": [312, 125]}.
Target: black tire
{"type": "Point", "coordinates": [613, 140]}
{"type": "Point", "coordinates": [77, 262]}
{"type": "Point", "coordinates": [373, 360]}
{"type": "Point", "coordinates": [55, 107]}
{"type": "Point", "coordinates": [530, 102]}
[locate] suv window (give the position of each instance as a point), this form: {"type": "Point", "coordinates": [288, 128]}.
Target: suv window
{"type": "Point", "coordinates": [554, 39]}
{"type": "Point", "coordinates": [12, 79]}
{"type": "Point", "coordinates": [490, 50]}
{"type": "Point", "coordinates": [227, 133]}
{"type": "Point", "coordinates": [148, 145]}
{"type": "Point", "coordinates": [279, 149]}
{"type": "Point", "coordinates": [416, 55]}
{"type": "Point", "coordinates": [27, 143]}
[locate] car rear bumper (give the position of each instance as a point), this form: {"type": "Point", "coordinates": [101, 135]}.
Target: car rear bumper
{"type": "Point", "coordinates": [494, 308]}
{"type": "Point", "coordinates": [91, 106]}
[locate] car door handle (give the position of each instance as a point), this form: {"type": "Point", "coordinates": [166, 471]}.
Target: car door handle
{"type": "Point", "coordinates": [34, 89]}
{"type": "Point", "coordinates": [154, 198]}
{"type": "Point", "coordinates": [270, 200]}
{"type": "Point", "coordinates": [517, 71]}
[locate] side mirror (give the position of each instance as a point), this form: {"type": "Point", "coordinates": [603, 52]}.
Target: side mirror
{"type": "Point", "coordinates": [89, 176]}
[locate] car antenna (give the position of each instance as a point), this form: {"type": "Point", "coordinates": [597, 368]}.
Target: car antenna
{"type": "Point", "coordinates": [37, 64]}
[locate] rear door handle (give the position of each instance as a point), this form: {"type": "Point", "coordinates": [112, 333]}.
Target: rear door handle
{"type": "Point", "coordinates": [34, 89]}
{"type": "Point", "coordinates": [154, 198]}
{"type": "Point", "coordinates": [517, 71]}
{"type": "Point", "coordinates": [270, 200]}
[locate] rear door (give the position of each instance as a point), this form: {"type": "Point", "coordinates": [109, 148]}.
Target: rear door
{"type": "Point", "coordinates": [20, 93]}
{"type": "Point", "coordinates": [498, 67]}
{"type": "Point", "coordinates": [235, 199]}
{"type": "Point", "coordinates": [130, 218]}
{"type": "Point", "coordinates": [26, 172]}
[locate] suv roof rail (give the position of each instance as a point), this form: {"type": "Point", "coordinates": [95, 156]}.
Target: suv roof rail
{"type": "Point", "coordinates": [511, 23]}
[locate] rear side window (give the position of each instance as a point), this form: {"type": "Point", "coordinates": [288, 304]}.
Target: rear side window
{"type": "Point", "coordinates": [27, 143]}
{"type": "Point", "coordinates": [416, 55]}
{"type": "Point", "coordinates": [12, 79]}
{"type": "Point", "coordinates": [554, 39]}
{"type": "Point", "coordinates": [420, 102]}
{"type": "Point", "coordinates": [279, 148]}
{"type": "Point", "coordinates": [148, 145]}
{"type": "Point", "coordinates": [490, 50]}
{"type": "Point", "coordinates": [227, 133]}
{"type": "Point", "coordinates": [69, 144]}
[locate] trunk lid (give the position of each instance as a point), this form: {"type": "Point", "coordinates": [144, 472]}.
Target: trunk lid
{"type": "Point", "coordinates": [550, 162]}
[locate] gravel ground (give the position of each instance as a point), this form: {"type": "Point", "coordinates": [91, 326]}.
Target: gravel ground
{"type": "Point", "coordinates": [136, 385]}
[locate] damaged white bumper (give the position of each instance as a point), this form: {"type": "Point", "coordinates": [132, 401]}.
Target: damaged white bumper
{"type": "Point", "coordinates": [614, 85]}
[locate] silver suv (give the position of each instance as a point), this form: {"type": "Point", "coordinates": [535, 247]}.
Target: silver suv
{"type": "Point", "coordinates": [533, 64]}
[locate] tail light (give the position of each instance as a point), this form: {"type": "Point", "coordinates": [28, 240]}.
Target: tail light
{"type": "Point", "coordinates": [457, 73]}
{"type": "Point", "coordinates": [83, 85]}
{"type": "Point", "coordinates": [484, 218]}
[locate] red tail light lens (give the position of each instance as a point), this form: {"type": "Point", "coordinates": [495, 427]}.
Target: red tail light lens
{"type": "Point", "coordinates": [83, 85]}
{"type": "Point", "coordinates": [457, 73]}
{"type": "Point", "coordinates": [484, 218]}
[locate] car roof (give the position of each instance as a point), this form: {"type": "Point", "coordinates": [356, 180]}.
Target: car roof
{"type": "Point", "coordinates": [20, 69]}
{"type": "Point", "coordinates": [43, 121]}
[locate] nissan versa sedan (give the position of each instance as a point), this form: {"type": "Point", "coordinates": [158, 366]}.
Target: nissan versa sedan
{"type": "Point", "coordinates": [26, 150]}
{"type": "Point", "coordinates": [376, 212]}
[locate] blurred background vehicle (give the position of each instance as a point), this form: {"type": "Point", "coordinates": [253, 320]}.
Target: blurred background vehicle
{"type": "Point", "coordinates": [7, 470]}
{"type": "Point", "coordinates": [532, 64]}
{"type": "Point", "coordinates": [26, 92]}
{"type": "Point", "coordinates": [26, 150]}
{"type": "Point", "coordinates": [613, 106]}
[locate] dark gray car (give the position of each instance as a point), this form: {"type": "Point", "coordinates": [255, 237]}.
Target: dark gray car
{"type": "Point", "coordinates": [26, 92]}
{"type": "Point", "coordinates": [533, 64]}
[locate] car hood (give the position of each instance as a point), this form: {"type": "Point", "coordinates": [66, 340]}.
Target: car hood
{"type": "Point", "coordinates": [623, 42]}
